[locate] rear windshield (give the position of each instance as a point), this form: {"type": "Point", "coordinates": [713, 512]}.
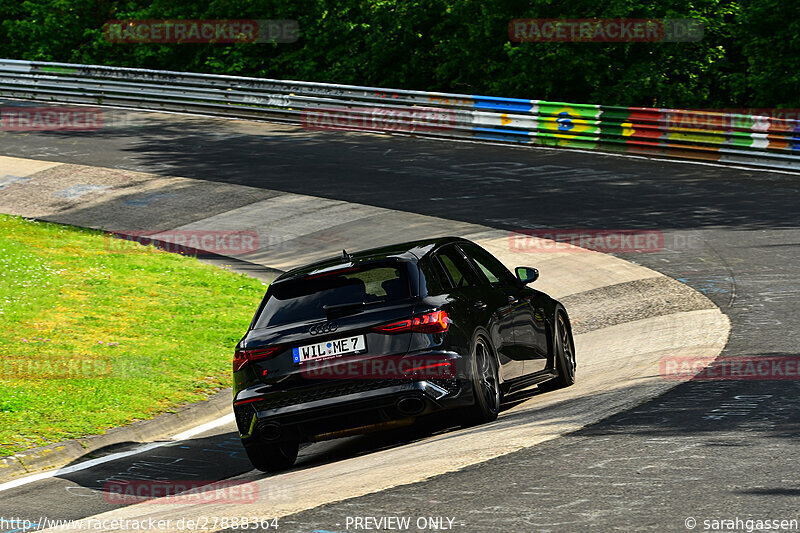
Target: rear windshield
{"type": "Point", "coordinates": [304, 299]}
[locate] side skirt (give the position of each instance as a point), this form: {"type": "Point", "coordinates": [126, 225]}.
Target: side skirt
{"type": "Point", "coordinates": [529, 380]}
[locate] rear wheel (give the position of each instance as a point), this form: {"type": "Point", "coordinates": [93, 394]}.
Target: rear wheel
{"type": "Point", "coordinates": [564, 357]}
{"type": "Point", "coordinates": [485, 386]}
{"type": "Point", "coordinates": [272, 457]}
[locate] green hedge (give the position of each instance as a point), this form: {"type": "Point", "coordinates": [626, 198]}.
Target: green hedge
{"type": "Point", "coordinates": [749, 56]}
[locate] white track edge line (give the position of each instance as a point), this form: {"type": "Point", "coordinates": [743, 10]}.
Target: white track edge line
{"type": "Point", "coordinates": [184, 435]}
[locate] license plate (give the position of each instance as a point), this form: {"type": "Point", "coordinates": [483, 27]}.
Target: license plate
{"type": "Point", "coordinates": [332, 348]}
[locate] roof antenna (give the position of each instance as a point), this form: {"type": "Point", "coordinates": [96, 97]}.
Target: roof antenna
{"type": "Point", "coordinates": [346, 256]}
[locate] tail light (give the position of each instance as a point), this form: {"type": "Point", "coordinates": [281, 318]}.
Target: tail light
{"type": "Point", "coordinates": [242, 357]}
{"type": "Point", "coordinates": [435, 322]}
{"type": "Point", "coordinates": [442, 369]}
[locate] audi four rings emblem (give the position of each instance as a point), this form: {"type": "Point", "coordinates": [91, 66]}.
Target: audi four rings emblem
{"type": "Point", "coordinates": [327, 327]}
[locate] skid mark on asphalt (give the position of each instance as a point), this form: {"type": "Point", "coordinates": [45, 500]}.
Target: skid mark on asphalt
{"type": "Point", "coordinates": [215, 456]}
{"type": "Point", "coordinates": [212, 457]}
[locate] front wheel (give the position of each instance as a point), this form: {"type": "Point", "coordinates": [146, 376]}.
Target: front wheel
{"type": "Point", "coordinates": [272, 457]}
{"type": "Point", "coordinates": [485, 386]}
{"type": "Point", "coordinates": [564, 357]}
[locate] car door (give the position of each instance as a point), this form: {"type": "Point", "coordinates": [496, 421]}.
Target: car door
{"type": "Point", "coordinates": [488, 308]}
{"type": "Point", "coordinates": [533, 331]}
{"type": "Point", "coordinates": [530, 341]}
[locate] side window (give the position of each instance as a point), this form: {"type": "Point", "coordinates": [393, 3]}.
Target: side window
{"type": "Point", "coordinates": [494, 271]}
{"type": "Point", "coordinates": [433, 276]}
{"type": "Point", "coordinates": [458, 270]}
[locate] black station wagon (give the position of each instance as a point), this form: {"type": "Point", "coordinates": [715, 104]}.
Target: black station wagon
{"type": "Point", "coordinates": [372, 340]}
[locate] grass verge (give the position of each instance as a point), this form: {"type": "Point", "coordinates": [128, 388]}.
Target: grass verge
{"type": "Point", "coordinates": [98, 332]}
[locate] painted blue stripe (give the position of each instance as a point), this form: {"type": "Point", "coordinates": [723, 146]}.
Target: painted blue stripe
{"type": "Point", "coordinates": [503, 104]}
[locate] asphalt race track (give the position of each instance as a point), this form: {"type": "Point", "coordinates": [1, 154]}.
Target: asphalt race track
{"type": "Point", "coordinates": [702, 451]}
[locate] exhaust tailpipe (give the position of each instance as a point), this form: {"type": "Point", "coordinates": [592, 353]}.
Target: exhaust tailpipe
{"type": "Point", "coordinates": [270, 431]}
{"type": "Point", "coordinates": [410, 405]}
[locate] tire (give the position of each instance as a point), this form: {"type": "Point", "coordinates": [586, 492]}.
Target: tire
{"type": "Point", "coordinates": [272, 457]}
{"type": "Point", "coordinates": [485, 386]}
{"type": "Point", "coordinates": [564, 357]}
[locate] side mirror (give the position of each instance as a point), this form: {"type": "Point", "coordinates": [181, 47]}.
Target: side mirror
{"type": "Point", "coordinates": [526, 274]}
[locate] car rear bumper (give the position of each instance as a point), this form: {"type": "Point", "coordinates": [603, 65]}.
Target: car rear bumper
{"type": "Point", "coordinates": [369, 406]}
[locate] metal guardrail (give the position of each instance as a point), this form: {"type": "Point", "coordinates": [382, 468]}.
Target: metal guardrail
{"type": "Point", "coordinates": [723, 137]}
